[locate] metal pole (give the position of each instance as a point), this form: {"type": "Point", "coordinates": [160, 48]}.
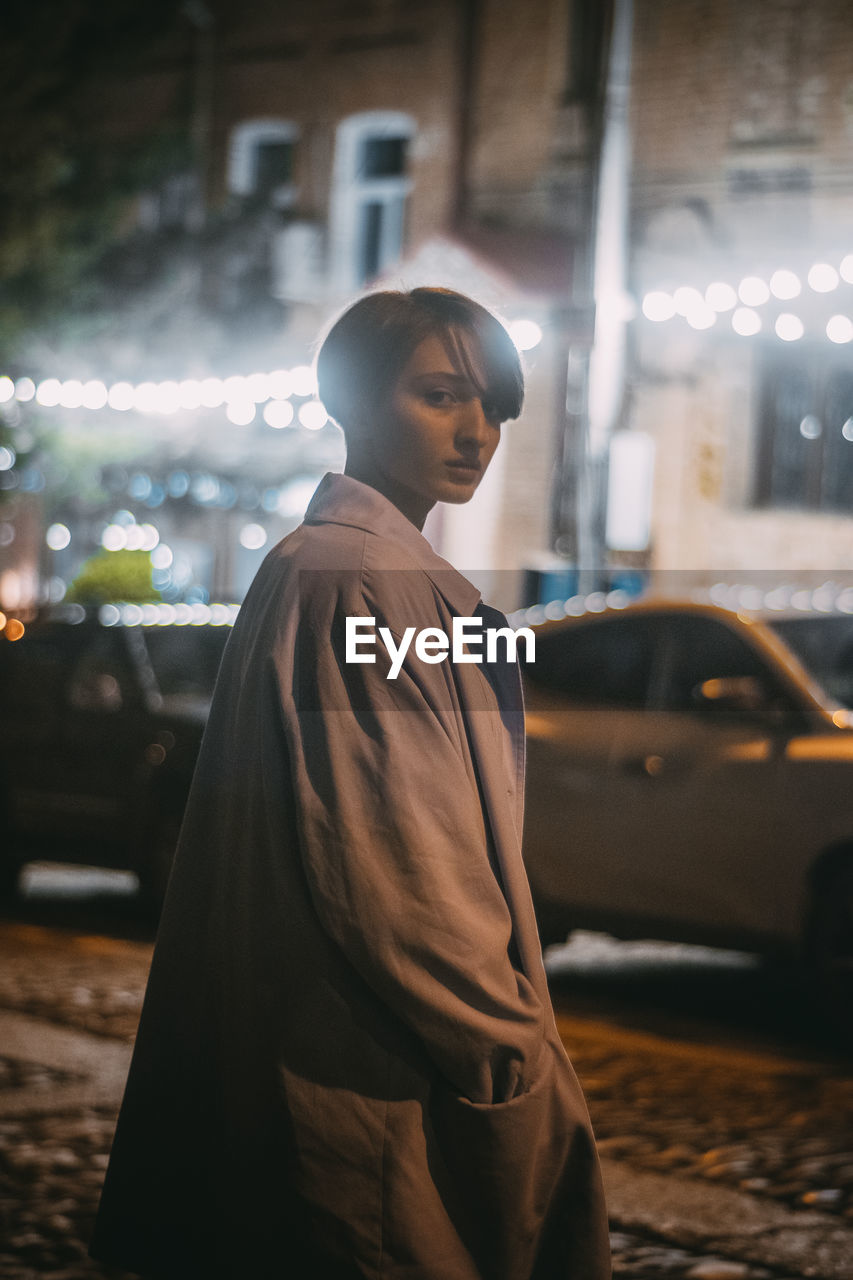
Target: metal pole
{"type": "Point", "coordinates": [606, 388]}
{"type": "Point", "coordinates": [594, 377]}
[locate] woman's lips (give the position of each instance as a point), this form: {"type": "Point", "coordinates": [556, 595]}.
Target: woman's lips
{"type": "Point", "coordinates": [464, 470]}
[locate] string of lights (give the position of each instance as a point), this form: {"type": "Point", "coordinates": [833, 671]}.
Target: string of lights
{"type": "Point", "coordinates": [240, 395]}
{"type": "Point", "coordinates": [744, 303]}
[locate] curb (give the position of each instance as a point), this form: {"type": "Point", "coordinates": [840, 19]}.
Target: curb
{"type": "Point", "coordinates": [100, 1064]}
{"type": "Point", "coordinates": [731, 1223]}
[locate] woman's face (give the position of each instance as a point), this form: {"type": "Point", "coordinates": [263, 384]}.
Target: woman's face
{"type": "Point", "coordinates": [433, 440]}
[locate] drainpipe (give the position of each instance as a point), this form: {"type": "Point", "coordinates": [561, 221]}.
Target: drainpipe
{"type": "Point", "coordinates": [202, 19]}
{"type": "Point", "coordinates": [469, 33]}
{"type": "Point", "coordinates": [596, 377]}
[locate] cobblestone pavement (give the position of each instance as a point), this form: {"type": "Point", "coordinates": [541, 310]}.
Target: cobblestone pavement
{"type": "Point", "coordinates": [780, 1131]}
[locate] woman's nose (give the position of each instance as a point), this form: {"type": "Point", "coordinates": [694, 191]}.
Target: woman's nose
{"type": "Point", "coordinates": [473, 424]}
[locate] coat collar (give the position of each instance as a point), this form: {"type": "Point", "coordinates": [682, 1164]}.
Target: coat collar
{"type": "Point", "coordinates": [340, 499]}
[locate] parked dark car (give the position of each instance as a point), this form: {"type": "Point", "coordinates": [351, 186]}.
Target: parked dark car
{"type": "Point", "coordinates": [690, 777]}
{"type": "Point", "coordinates": [102, 718]}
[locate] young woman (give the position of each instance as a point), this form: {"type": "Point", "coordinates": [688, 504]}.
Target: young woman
{"type": "Point", "coordinates": [347, 1064]}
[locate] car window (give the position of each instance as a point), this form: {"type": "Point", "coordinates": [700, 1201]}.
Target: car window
{"type": "Point", "coordinates": [608, 662]}
{"type": "Point", "coordinates": [824, 645]}
{"type": "Point", "coordinates": [34, 671]}
{"type": "Point", "coordinates": [102, 679]}
{"type": "Point", "coordinates": [707, 649]}
{"type": "Point", "coordinates": [185, 660]}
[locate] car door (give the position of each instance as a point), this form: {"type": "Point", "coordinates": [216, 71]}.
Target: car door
{"type": "Point", "coordinates": [33, 758]}
{"type": "Point", "coordinates": [106, 729]}
{"type": "Point", "coordinates": [587, 696]}
{"type": "Point", "coordinates": [704, 787]}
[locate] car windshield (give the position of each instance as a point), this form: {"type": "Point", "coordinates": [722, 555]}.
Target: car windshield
{"type": "Point", "coordinates": [185, 660]}
{"type": "Point", "coordinates": [824, 645]}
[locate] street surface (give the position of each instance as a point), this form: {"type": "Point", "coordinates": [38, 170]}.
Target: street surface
{"type": "Point", "coordinates": [723, 1111]}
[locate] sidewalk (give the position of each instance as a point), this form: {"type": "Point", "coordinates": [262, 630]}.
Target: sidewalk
{"type": "Point", "coordinates": [60, 1089]}
{"type": "Point", "coordinates": [720, 1164]}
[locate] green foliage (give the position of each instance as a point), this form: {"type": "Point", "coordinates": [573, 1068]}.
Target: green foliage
{"type": "Point", "coordinates": [68, 167]}
{"type": "Point", "coordinates": [114, 575]}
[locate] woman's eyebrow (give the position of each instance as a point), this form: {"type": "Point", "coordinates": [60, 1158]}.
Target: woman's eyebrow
{"type": "Point", "coordinates": [460, 379]}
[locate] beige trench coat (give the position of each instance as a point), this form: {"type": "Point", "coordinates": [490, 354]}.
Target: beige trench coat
{"type": "Point", "coordinates": [347, 1063]}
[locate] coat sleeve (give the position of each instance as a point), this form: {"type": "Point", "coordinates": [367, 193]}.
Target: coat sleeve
{"type": "Point", "coordinates": [396, 854]}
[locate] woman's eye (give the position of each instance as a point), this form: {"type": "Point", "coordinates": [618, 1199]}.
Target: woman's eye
{"type": "Point", "coordinates": [439, 397]}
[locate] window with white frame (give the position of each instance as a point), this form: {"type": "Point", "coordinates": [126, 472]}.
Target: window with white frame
{"type": "Point", "coordinates": [369, 192]}
{"type": "Point", "coordinates": [260, 161]}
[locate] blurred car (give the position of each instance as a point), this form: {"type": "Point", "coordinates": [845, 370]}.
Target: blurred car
{"type": "Point", "coordinates": [102, 718]}
{"type": "Point", "coordinates": [690, 778]}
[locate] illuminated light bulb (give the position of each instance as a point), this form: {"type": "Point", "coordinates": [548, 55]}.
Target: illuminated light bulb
{"type": "Point", "coordinates": [183, 615]}
{"type": "Point", "coordinates": [114, 538]}
{"type": "Point", "coordinates": [234, 388]}
{"type": "Point", "coordinates": [303, 381]}
{"type": "Point", "coordinates": [258, 387]}
{"type": "Point", "coordinates": [789, 327]}
{"type": "Point", "coordinates": [253, 536]}
{"type": "Point", "coordinates": [120, 396]}
{"type": "Point", "coordinates": [167, 398]}
{"type": "Point", "coordinates": [846, 268]}
{"type": "Point", "coordinates": [25, 389]}
{"type": "Point", "coordinates": [785, 284]}
{"type": "Point", "coordinates": [746, 322]}
{"type": "Point", "coordinates": [658, 306]}
{"type": "Point", "coordinates": [48, 392]}
{"type": "Point", "coordinates": [109, 615]}
{"type": "Point", "coordinates": [131, 615]}
{"type": "Point", "coordinates": [211, 393]}
{"type": "Point", "coordinates": [839, 329]}
{"type": "Point", "coordinates": [823, 278]}
{"type": "Point", "coordinates": [58, 537]}
{"type": "Point", "coordinates": [7, 458]}
{"type": "Point", "coordinates": [7, 389]}
{"type": "Point", "coordinates": [278, 414]}
{"type": "Point", "coordinates": [687, 299]}
{"type": "Point", "coordinates": [71, 394]}
{"type": "Point", "coordinates": [167, 614]}
{"type": "Point", "coordinates": [526, 334]}
{"type": "Point", "coordinates": [133, 538]}
{"type": "Point", "coordinates": [240, 412]}
{"type": "Point", "coordinates": [162, 556]}
{"type": "Point", "coordinates": [752, 291]}
{"type": "Point", "coordinates": [145, 397]}
{"type": "Point", "coordinates": [313, 415]}
{"type": "Point", "coordinates": [189, 393]}
{"type": "Point", "coordinates": [94, 394]}
{"type": "Point", "coordinates": [847, 429]}
{"type": "Point", "coordinates": [150, 537]}
{"type": "Point", "coordinates": [811, 427]}
{"type": "Point", "coordinates": [720, 296]}
{"type": "Point", "coordinates": [219, 615]}
{"type": "Point", "coordinates": [280, 384]}
{"type": "Point", "coordinates": [200, 615]}
{"type": "Point", "coordinates": [702, 317]}
{"type": "Point", "coordinates": [150, 615]}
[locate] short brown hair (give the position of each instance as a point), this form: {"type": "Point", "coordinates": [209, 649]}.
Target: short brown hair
{"type": "Point", "coordinates": [367, 348]}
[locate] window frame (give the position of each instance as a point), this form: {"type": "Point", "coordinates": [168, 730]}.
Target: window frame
{"type": "Point", "coordinates": [242, 167]}
{"type": "Point", "coordinates": [352, 194]}
{"type": "Point", "coordinates": [819, 371]}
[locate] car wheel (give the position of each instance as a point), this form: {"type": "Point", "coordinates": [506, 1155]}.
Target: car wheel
{"type": "Point", "coordinates": [157, 865]}
{"type": "Point", "coordinates": [831, 946]}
